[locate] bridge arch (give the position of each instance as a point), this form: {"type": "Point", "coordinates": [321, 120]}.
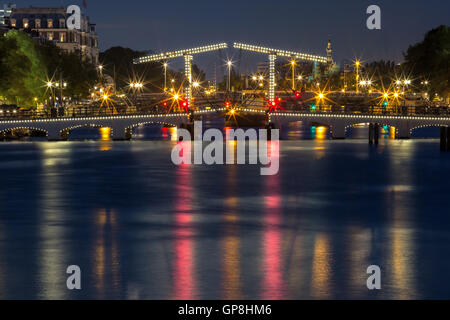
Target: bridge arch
{"type": "Point", "coordinates": [129, 129]}
{"type": "Point", "coordinates": [64, 133]}
{"type": "Point", "coordinates": [164, 123]}
{"type": "Point", "coordinates": [8, 129]}
{"type": "Point", "coordinates": [423, 126]}
{"type": "Point", "coordinates": [428, 126]}
{"type": "Point", "coordinates": [351, 126]}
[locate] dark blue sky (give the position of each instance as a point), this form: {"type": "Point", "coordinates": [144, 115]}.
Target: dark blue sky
{"type": "Point", "coordinates": [291, 24]}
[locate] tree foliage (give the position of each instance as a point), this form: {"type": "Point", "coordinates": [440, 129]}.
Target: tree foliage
{"type": "Point", "coordinates": [118, 62]}
{"type": "Point", "coordinates": [431, 59]}
{"type": "Point", "coordinates": [21, 72]}
{"type": "Point", "coordinates": [80, 75]}
{"type": "Point", "coordinates": [26, 66]}
{"type": "Point", "coordinates": [383, 71]}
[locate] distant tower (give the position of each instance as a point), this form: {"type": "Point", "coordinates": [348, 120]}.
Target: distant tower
{"type": "Point", "coordinates": [329, 53]}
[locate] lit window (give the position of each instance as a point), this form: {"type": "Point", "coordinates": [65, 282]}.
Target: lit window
{"type": "Point", "coordinates": [49, 23]}
{"type": "Point", "coordinates": [62, 37]}
{"type": "Point", "coordinates": [50, 36]}
{"type": "Point", "coordinates": [62, 23]}
{"type": "Point", "coordinates": [25, 23]}
{"type": "Point", "coordinates": [38, 23]}
{"type": "Point", "coordinates": [13, 23]}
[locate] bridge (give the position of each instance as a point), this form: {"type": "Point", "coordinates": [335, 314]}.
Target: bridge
{"type": "Point", "coordinates": [339, 123]}
{"type": "Point", "coordinates": [121, 125]}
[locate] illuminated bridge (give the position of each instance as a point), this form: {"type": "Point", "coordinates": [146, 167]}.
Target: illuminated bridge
{"type": "Point", "coordinates": [339, 123]}
{"type": "Point", "coordinates": [121, 125]}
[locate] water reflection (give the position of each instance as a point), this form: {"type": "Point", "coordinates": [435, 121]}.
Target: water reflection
{"type": "Point", "coordinates": [105, 256]}
{"type": "Point", "coordinates": [309, 232]}
{"type": "Point", "coordinates": [319, 133]}
{"type": "Point", "coordinates": [184, 287]}
{"type": "Point", "coordinates": [402, 242]}
{"type": "Point", "coordinates": [231, 242]}
{"type": "Point", "coordinates": [388, 132]}
{"type": "Point", "coordinates": [359, 252]}
{"type": "Point", "coordinates": [3, 260]}
{"type": "Point", "coordinates": [273, 287]}
{"type": "Point", "coordinates": [52, 254]}
{"type": "Point", "coordinates": [321, 267]}
{"type": "Point", "coordinates": [153, 131]}
{"type": "Point", "coordinates": [105, 139]}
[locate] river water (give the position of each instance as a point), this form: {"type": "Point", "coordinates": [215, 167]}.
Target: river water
{"type": "Point", "coordinates": [140, 227]}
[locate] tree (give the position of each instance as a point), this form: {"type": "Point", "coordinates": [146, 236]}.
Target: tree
{"type": "Point", "coordinates": [80, 75]}
{"type": "Point", "coordinates": [198, 74]}
{"type": "Point", "coordinates": [22, 74]}
{"type": "Point", "coordinates": [384, 71]}
{"type": "Point", "coordinates": [430, 59]}
{"type": "Point", "coordinates": [26, 66]}
{"type": "Point", "coordinates": [118, 62]}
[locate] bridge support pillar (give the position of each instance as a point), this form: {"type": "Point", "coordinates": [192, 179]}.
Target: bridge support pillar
{"type": "Point", "coordinates": [403, 132]}
{"type": "Point", "coordinates": [269, 128]}
{"type": "Point", "coordinates": [190, 128]}
{"type": "Point", "coordinates": [445, 135]}
{"type": "Point", "coordinates": [376, 133]}
{"type": "Point", "coordinates": [448, 139]}
{"type": "Point", "coordinates": [338, 132]}
{"type": "Point", "coordinates": [120, 134]}
{"type": "Point", "coordinates": [54, 135]}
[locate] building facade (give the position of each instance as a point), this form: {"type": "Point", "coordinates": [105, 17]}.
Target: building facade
{"type": "Point", "coordinates": [50, 24]}
{"type": "Point", "coordinates": [5, 12]}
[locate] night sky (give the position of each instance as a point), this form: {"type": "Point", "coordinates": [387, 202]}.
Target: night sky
{"type": "Point", "coordinates": [289, 24]}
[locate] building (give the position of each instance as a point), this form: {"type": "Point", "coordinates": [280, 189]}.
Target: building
{"type": "Point", "coordinates": [329, 54]}
{"type": "Point", "coordinates": [50, 24]}
{"type": "Point", "coordinates": [5, 12]}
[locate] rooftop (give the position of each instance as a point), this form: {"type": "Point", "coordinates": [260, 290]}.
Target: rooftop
{"type": "Point", "coordinates": [32, 10]}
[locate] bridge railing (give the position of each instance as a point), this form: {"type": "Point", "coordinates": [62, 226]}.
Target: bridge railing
{"type": "Point", "coordinates": [373, 110]}
{"type": "Point", "coordinates": [30, 115]}
{"type": "Point", "coordinates": [321, 109]}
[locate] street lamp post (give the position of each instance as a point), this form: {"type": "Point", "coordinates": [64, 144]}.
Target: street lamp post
{"type": "Point", "coordinates": [293, 74]}
{"type": "Point", "coordinates": [50, 86]}
{"type": "Point", "coordinates": [229, 64]}
{"type": "Point", "coordinates": [165, 76]}
{"type": "Point", "coordinates": [357, 63]}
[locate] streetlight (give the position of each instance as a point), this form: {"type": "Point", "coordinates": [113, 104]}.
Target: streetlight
{"type": "Point", "coordinates": [293, 63]}
{"type": "Point", "coordinates": [165, 76]}
{"type": "Point", "coordinates": [229, 64]}
{"type": "Point", "coordinates": [357, 63]}
{"type": "Point", "coordinates": [100, 69]}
